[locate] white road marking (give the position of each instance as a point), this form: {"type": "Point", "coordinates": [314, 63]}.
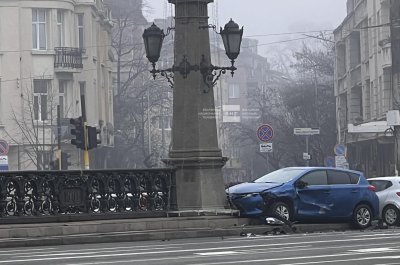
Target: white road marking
{"type": "Point", "coordinates": [220, 253]}
{"type": "Point", "coordinates": [131, 261]}
{"type": "Point", "coordinates": [373, 250]}
{"type": "Point", "coordinates": [23, 250]}
{"type": "Point", "coordinates": [83, 256]}
{"type": "Point", "coordinates": [83, 251]}
{"type": "Point", "coordinates": [344, 260]}
{"type": "Point", "coordinates": [303, 263]}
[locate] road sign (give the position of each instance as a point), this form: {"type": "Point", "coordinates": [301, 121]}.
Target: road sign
{"type": "Point", "coordinates": [4, 148]}
{"type": "Point", "coordinates": [329, 161]}
{"type": "Point", "coordinates": [306, 156]}
{"type": "Point", "coordinates": [341, 162]}
{"type": "Point", "coordinates": [340, 150]}
{"type": "Point", "coordinates": [3, 163]}
{"type": "Point", "coordinates": [266, 148]}
{"type": "Point", "coordinates": [306, 131]}
{"type": "Point", "coordinates": [265, 133]}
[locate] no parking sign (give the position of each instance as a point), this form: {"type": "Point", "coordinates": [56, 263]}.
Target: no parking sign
{"type": "Point", "coordinates": [265, 133]}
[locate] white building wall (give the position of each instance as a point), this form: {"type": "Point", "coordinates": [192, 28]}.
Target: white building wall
{"type": "Point", "coordinates": [367, 19]}
{"type": "Point", "coordinates": [20, 64]}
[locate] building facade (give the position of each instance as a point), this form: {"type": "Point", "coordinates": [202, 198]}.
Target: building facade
{"type": "Point", "coordinates": [363, 87]}
{"type": "Point", "coordinates": [51, 53]}
{"type": "Point", "coordinates": [241, 107]}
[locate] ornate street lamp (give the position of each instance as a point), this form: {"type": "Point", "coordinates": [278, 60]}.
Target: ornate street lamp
{"type": "Point", "coordinates": [153, 40]}
{"type": "Point", "coordinates": [232, 38]}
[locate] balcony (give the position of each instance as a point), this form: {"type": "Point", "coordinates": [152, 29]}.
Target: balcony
{"type": "Point", "coordinates": [68, 59]}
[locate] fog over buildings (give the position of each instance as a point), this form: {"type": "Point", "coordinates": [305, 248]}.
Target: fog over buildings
{"type": "Point", "coordinates": [262, 17]}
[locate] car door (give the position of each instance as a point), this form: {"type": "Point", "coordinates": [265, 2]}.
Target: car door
{"type": "Point", "coordinates": [311, 199]}
{"type": "Point", "coordinates": [344, 195]}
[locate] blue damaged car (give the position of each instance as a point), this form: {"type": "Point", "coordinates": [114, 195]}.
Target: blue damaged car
{"type": "Point", "coordinates": [309, 194]}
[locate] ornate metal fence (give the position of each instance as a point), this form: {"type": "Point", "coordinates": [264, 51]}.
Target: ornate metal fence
{"type": "Point", "coordinates": [89, 192]}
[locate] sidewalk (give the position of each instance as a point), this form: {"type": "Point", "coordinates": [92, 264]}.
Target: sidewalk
{"type": "Point", "coordinates": [124, 230]}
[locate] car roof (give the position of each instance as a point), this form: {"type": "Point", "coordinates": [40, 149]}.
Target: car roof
{"type": "Point", "coordinates": [394, 178]}
{"type": "Point", "coordinates": [325, 168]}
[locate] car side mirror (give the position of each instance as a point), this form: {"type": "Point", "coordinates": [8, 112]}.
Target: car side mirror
{"type": "Point", "coordinates": [301, 184]}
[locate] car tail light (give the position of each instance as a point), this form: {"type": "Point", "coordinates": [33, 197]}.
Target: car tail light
{"type": "Point", "coordinates": [398, 194]}
{"type": "Point", "coordinates": [372, 188]}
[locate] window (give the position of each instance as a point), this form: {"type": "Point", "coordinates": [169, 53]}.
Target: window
{"type": "Point", "coordinates": [234, 91]}
{"type": "Point", "coordinates": [40, 90]}
{"type": "Point", "coordinates": [60, 28]}
{"type": "Point", "coordinates": [354, 178]}
{"type": "Point", "coordinates": [164, 122]}
{"type": "Point", "coordinates": [62, 88]}
{"type": "Point", "coordinates": [81, 43]}
{"type": "Point", "coordinates": [281, 175]}
{"type": "Point", "coordinates": [43, 160]}
{"type": "Point", "coordinates": [338, 177]}
{"type": "Point", "coordinates": [380, 185]}
{"type": "Point", "coordinates": [39, 28]}
{"type": "Point", "coordinates": [316, 178]}
{"type": "Point", "coordinates": [234, 152]}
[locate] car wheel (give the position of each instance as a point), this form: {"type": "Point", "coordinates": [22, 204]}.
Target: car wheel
{"type": "Point", "coordinates": [281, 209]}
{"type": "Point", "coordinates": [391, 215]}
{"type": "Point", "coordinates": [362, 216]}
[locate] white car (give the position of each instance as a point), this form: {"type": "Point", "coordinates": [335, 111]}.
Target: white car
{"type": "Point", "coordinates": [388, 191]}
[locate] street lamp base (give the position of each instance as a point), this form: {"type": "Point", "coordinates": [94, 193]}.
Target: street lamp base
{"type": "Point", "coordinates": [199, 183]}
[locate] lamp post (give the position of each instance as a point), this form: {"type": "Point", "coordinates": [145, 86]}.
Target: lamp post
{"type": "Point", "coordinates": [194, 151]}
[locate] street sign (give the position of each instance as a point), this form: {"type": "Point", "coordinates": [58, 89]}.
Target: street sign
{"type": "Point", "coordinates": [329, 161]}
{"type": "Point", "coordinates": [306, 156]}
{"type": "Point", "coordinates": [341, 162]}
{"type": "Point", "coordinates": [340, 150]}
{"type": "Point", "coordinates": [306, 131]}
{"type": "Point", "coordinates": [3, 163]}
{"type": "Point", "coordinates": [265, 133]}
{"type": "Point", "coordinates": [4, 148]}
{"type": "Point", "coordinates": [266, 148]}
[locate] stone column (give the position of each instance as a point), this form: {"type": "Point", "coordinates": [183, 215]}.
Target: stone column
{"type": "Point", "coordinates": [195, 152]}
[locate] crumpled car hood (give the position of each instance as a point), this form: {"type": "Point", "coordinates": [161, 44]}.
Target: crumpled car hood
{"type": "Point", "coordinates": [251, 187]}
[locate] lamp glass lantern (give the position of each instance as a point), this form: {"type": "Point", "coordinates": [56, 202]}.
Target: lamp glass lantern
{"type": "Point", "coordinates": [153, 39]}
{"type": "Point", "coordinates": [232, 39]}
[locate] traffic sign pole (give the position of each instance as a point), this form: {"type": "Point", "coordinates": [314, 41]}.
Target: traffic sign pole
{"type": "Point", "coordinates": [307, 161]}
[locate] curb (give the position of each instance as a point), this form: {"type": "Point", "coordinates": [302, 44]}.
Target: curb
{"type": "Point", "coordinates": [168, 234]}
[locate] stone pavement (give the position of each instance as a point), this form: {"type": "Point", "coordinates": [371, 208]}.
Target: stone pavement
{"type": "Point", "coordinates": [166, 228]}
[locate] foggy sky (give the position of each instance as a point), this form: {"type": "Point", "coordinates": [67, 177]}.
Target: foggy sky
{"type": "Point", "coordinates": [260, 17]}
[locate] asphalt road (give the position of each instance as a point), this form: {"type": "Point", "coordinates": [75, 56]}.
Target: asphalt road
{"type": "Point", "coordinates": [369, 247]}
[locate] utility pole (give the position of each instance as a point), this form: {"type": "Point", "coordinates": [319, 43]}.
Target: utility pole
{"type": "Point", "coordinates": [59, 136]}
{"type": "Point", "coordinates": [85, 134]}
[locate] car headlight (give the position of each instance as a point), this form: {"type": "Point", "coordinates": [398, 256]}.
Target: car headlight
{"type": "Point", "coordinates": [250, 195]}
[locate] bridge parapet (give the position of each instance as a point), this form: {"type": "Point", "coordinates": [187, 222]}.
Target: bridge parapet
{"type": "Point", "coordinates": [92, 194]}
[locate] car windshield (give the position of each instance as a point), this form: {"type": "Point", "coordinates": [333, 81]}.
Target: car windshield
{"type": "Point", "coordinates": [281, 175]}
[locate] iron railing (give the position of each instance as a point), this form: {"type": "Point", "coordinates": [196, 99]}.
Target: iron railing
{"type": "Point", "coordinates": [88, 192]}
{"type": "Point", "coordinates": [66, 57]}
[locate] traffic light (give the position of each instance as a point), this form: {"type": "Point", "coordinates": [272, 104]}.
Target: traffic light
{"type": "Point", "coordinates": [78, 132]}
{"type": "Point", "coordinates": [93, 140]}
{"type": "Point", "coordinates": [64, 160]}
